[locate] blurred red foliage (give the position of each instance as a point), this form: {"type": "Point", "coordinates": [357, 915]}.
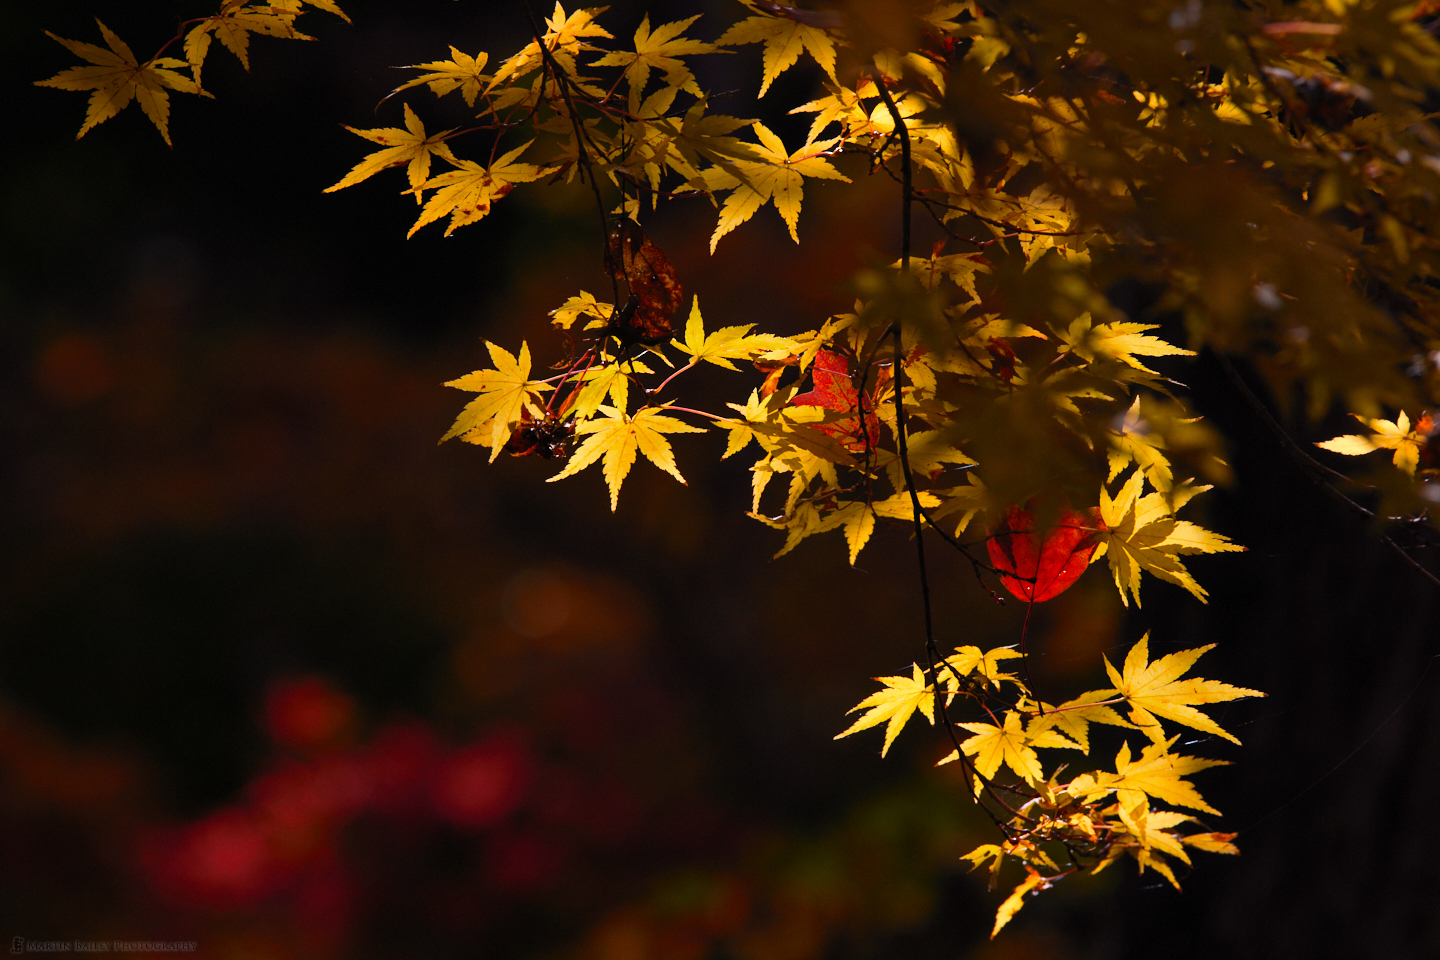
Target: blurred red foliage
{"type": "Point", "coordinates": [307, 713]}
{"type": "Point", "coordinates": [287, 834]}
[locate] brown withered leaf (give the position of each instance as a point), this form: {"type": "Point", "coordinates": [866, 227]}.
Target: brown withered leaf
{"type": "Point", "coordinates": [655, 291]}
{"type": "Point", "coordinates": [547, 436]}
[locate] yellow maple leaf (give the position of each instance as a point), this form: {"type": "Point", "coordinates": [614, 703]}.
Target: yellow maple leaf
{"type": "Point", "coordinates": [961, 269]}
{"type": "Point", "coordinates": [857, 521]}
{"type": "Point", "coordinates": [857, 518]}
{"type": "Point", "coordinates": [967, 501]}
{"type": "Point", "coordinates": [1150, 429]}
{"type": "Point", "coordinates": [894, 706]}
{"type": "Point", "coordinates": [1212, 842]}
{"type": "Point", "coordinates": [467, 193]}
{"type": "Point", "coordinates": [1073, 717]}
{"type": "Point", "coordinates": [293, 6]}
{"type": "Point", "coordinates": [660, 49]}
{"type": "Point", "coordinates": [1152, 829]}
{"type": "Point", "coordinates": [1133, 442]}
{"type": "Point", "coordinates": [842, 106]}
{"type": "Point", "coordinates": [930, 450]}
{"type": "Point", "coordinates": [1032, 882]}
{"type": "Point", "coordinates": [585, 305]}
{"type": "Point", "coordinates": [233, 26]}
{"type": "Point", "coordinates": [611, 378]}
{"type": "Point", "coordinates": [725, 344]}
{"type": "Point", "coordinates": [1010, 744]}
{"type": "Point", "coordinates": [1157, 773]}
{"type": "Point", "coordinates": [116, 78]}
{"type": "Point", "coordinates": [785, 433]}
{"type": "Point", "coordinates": [411, 146]}
{"type": "Point", "coordinates": [706, 135]}
{"type": "Point", "coordinates": [991, 852]}
{"type": "Point", "coordinates": [461, 72]}
{"type": "Point", "coordinates": [1142, 534]}
{"type": "Point", "coordinates": [617, 438]}
{"type": "Point", "coordinates": [565, 36]}
{"type": "Point", "coordinates": [1393, 435]}
{"type": "Point", "coordinates": [785, 39]}
{"type": "Point", "coordinates": [968, 659]}
{"type": "Point", "coordinates": [1119, 341]}
{"type": "Point", "coordinates": [740, 432]}
{"type": "Point", "coordinates": [780, 177]}
{"type": "Point", "coordinates": [1154, 689]}
{"type": "Point", "coordinates": [800, 520]}
{"type": "Point", "coordinates": [503, 391]}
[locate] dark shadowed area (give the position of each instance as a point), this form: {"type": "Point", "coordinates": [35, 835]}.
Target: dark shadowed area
{"type": "Point", "coordinates": [280, 675]}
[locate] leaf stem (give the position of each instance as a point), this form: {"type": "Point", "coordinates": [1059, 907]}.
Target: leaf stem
{"type": "Point", "coordinates": [906, 173]}
{"type": "Point", "coordinates": [1074, 706]}
{"type": "Point", "coordinates": [666, 381]}
{"type": "Point", "coordinates": [698, 413]}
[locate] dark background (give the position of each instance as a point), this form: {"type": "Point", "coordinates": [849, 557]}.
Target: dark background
{"type": "Point", "coordinates": [280, 675]}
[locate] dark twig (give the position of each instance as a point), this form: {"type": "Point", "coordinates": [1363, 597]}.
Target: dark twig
{"type": "Point", "coordinates": [900, 431]}
{"type": "Point", "coordinates": [932, 652]}
{"type": "Point", "coordinates": [906, 186]}
{"type": "Point", "coordinates": [907, 192]}
{"type": "Point", "coordinates": [562, 80]}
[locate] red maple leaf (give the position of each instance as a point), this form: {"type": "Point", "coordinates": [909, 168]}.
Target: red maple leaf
{"type": "Point", "coordinates": [831, 389]}
{"type": "Point", "coordinates": [1049, 566]}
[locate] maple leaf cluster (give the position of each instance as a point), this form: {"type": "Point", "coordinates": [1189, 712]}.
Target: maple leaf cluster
{"type": "Point", "coordinates": [825, 415]}
{"type": "Point", "coordinates": [861, 417]}
{"type": "Point", "coordinates": [988, 392]}
{"type": "Point", "coordinates": [117, 78]}
{"type": "Point", "coordinates": [1093, 819]}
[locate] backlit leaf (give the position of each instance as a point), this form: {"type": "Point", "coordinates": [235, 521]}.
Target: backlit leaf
{"type": "Point", "coordinates": [117, 78]}
{"type": "Point", "coordinates": [1154, 690]}
{"type": "Point", "coordinates": [467, 194]}
{"type": "Point", "coordinates": [503, 392]}
{"type": "Point", "coordinates": [894, 706]}
{"type": "Point", "coordinates": [777, 177]}
{"type": "Point", "coordinates": [461, 72]}
{"type": "Point", "coordinates": [411, 147]}
{"type": "Point", "coordinates": [617, 438]}
{"type": "Point", "coordinates": [1393, 435]}
{"type": "Point", "coordinates": [1050, 564]}
{"type": "Point", "coordinates": [784, 39]}
{"type": "Point", "coordinates": [1033, 881]}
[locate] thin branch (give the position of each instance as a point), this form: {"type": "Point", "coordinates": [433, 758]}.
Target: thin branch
{"type": "Point", "coordinates": [906, 186]}
{"type": "Point", "coordinates": [864, 427]}
{"type": "Point", "coordinates": [902, 130]}
{"type": "Point", "coordinates": [932, 652]}
{"type": "Point", "coordinates": [1024, 631]}
{"type": "Point", "coordinates": [562, 80]}
{"type": "Point", "coordinates": [900, 433]}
